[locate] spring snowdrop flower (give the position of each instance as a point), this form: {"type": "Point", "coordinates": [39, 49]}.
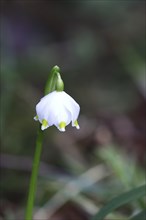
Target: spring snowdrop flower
{"type": "Point", "coordinates": [59, 109]}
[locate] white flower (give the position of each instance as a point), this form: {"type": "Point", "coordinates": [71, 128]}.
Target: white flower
{"type": "Point", "coordinates": [59, 109]}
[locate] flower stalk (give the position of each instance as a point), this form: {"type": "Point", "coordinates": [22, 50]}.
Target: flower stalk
{"type": "Point", "coordinates": [55, 108]}
{"type": "Point", "coordinates": [50, 86]}
{"type": "Point", "coordinates": [33, 180]}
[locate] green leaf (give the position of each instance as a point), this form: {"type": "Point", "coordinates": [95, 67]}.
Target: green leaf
{"type": "Point", "coordinates": [140, 216]}
{"type": "Point", "coordinates": [124, 198]}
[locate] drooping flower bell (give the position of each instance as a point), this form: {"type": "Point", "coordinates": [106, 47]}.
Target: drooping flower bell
{"type": "Point", "coordinates": [57, 108]}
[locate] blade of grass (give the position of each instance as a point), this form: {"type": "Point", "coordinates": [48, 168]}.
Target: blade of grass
{"type": "Point", "coordinates": [140, 216]}
{"type": "Point", "coordinates": [124, 198]}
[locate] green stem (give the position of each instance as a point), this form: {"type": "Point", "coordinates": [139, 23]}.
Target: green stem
{"type": "Point", "coordinates": [50, 86]}
{"type": "Point", "coordinates": [33, 180]}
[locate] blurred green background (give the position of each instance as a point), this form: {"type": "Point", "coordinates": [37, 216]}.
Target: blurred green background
{"type": "Point", "coordinates": [100, 49]}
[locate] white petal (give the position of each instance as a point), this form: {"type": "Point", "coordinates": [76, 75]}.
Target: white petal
{"type": "Point", "coordinates": [44, 124]}
{"type": "Point", "coordinates": [56, 108]}
{"type": "Point", "coordinates": [42, 108]}
{"type": "Point", "coordinates": [61, 129]}
{"type": "Point", "coordinates": [57, 114]}
{"type": "Point", "coordinates": [72, 106]}
{"type": "Point", "coordinates": [36, 118]}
